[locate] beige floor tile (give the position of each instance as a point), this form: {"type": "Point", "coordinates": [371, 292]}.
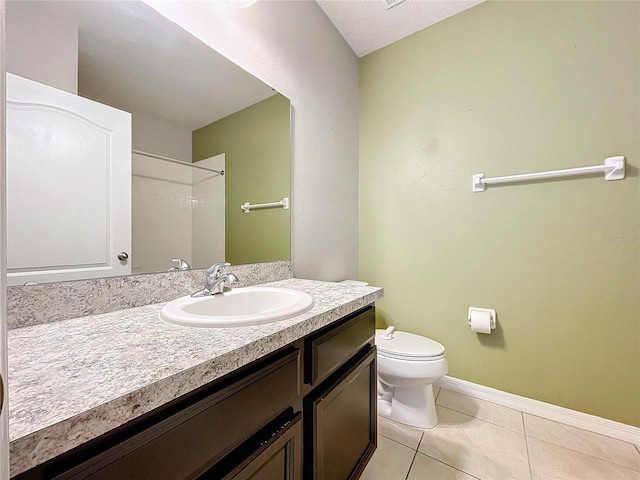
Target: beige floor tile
{"type": "Point", "coordinates": [551, 462]}
{"type": "Point", "coordinates": [391, 461]}
{"type": "Point", "coordinates": [427, 468]}
{"type": "Point", "coordinates": [605, 448]}
{"type": "Point", "coordinates": [487, 411]}
{"type": "Point", "coordinates": [476, 447]}
{"type": "Point", "coordinates": [403, 434]}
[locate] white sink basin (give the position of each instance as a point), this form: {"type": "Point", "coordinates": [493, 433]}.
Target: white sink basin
{"type": "Point", "coordinates": [237, 307]}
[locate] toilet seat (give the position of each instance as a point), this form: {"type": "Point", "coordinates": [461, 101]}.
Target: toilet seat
{"type": "Point", "coordinates": [409, 347]}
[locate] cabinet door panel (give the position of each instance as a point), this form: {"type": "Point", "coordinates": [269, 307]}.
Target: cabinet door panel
{"type": "Point", "coordinates": [343, 423]}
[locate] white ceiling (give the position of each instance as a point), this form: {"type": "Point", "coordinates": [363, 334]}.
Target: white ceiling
{"type": "Point", "coordinates": [368, 26]}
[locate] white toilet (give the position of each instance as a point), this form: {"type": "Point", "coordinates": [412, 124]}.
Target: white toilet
{"type": "Point", "coordinates": [408, 366]}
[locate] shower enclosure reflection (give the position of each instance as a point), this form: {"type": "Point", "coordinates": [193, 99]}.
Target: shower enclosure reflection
{"type": "Point", "coordinates": [187, 103]}
{"type": "Point", "coordinates": [177, 211]}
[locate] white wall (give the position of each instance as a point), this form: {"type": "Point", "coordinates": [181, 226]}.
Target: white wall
{"type": "Point", "coordinates": [161, 206]}
{"type": "Point", "coordinates": [34, 38]}
{"type": "Point", "coordinates": [177, 212]}
{"type": "Point", "coordinates": [154, 135]}
{"type": "Point", "coordinates": [294, 47]}
{"type": "Point", "coordinates": [4, 415]}
{"type": "Point", "coordinates": [208, 220]}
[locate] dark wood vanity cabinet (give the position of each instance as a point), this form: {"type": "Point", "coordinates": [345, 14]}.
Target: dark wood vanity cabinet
{"type": "Point", "coordinates": [279, 457]}
{"type": "Point", "coordinates": [306, 411]}
{"type": "Point", "coordinates": [340, 424]}
{"type": "Point", "coordinates": [340, 412]}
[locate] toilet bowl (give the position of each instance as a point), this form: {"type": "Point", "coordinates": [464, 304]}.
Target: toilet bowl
{"type": "Point", "coordinates": [408, 366]}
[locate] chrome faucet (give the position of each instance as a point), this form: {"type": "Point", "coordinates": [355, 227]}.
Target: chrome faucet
{"type": "Point", "coordinates": [216, 281]}
{"type": "Point", "coordinates": [182, 265]}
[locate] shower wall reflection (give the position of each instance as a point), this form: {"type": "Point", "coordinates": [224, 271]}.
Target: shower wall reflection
{"type": "Point", "coordinates": [177, 212]}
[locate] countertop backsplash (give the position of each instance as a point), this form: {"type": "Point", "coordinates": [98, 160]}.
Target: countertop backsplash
{"type": "Point", "coordinates": [52, 302]}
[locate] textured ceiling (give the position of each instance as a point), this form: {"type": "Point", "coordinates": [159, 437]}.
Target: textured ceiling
{"type": "Point", "coordinates": [367, 25]}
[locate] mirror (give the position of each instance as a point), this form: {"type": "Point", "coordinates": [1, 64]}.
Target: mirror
{"type": "Point", "coordinates": [193, 114]}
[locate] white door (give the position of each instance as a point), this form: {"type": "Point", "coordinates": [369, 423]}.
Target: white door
{"type": "Point", "coordinates": [68, 185]}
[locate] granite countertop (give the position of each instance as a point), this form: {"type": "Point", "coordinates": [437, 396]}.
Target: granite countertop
{"type": "Point", "coordinates": [73, 380]}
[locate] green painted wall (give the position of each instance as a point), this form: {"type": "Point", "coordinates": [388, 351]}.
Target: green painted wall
{"type": "Point", "coordinates": [506, 88]}
{"type": "Point", "coordinates": [256, 144]}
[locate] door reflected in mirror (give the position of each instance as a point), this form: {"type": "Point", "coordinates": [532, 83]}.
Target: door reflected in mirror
{"type": "Point", "coordinates": [187, 103]}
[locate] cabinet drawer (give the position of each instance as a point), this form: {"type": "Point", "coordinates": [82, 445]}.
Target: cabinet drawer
{"type": "Point", "coordinates": [187, 443]}
{"type": "Point", "coordinates": [326, 351]}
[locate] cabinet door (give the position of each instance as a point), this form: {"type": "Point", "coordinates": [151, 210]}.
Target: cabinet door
{"type": "Point", "coordinates": [280, 458]}
{"type": "Point", "coordinates": [340, 422]}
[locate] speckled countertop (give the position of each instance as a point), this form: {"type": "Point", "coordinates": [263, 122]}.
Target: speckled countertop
{"type": "Point", "coordinates": [73, 380]}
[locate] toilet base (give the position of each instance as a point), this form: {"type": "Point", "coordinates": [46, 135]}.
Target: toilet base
{"type": "Point", "coordinates": [415, 407]}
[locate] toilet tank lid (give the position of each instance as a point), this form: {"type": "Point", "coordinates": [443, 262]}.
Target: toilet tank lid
{"type": "Point", "coordinates": [408, 344]}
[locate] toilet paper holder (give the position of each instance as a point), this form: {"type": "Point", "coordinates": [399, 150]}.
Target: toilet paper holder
{"type": "Point", "coordinates": [490, 311]}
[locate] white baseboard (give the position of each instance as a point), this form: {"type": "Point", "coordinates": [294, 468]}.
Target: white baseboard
{"type": "Point", "coordinates": [610, 428]}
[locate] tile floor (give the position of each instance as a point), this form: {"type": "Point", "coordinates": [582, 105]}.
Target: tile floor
{"type": "Point", "coordinates": [481, 440]}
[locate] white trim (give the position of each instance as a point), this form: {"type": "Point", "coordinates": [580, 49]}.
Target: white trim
{"type": "Point", "coordinates": [610, 428]}
{"type": "Point", "coordinates": [4, 415]}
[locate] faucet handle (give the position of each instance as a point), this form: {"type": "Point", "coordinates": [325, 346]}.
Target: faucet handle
{"type": "Point", "coordinates": [214, 269]}
{"type": "Point", "coordinates": [182, 264]}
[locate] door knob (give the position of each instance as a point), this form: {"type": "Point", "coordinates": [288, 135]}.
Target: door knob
{"type": "Point", "coordinates": [122, 256]}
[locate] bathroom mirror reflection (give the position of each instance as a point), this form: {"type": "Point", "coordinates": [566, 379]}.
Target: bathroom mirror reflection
{"type": "Point", "coordinates": [186, 105]}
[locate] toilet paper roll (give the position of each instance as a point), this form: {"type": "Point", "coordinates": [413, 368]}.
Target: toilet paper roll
{"type": "Point", "coordinates": [481, 322]}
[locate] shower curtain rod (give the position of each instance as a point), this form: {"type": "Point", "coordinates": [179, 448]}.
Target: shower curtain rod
{"type": "Point", "coordinates": [179, 162]}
